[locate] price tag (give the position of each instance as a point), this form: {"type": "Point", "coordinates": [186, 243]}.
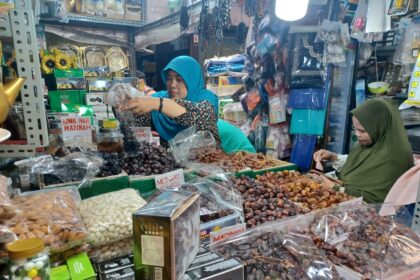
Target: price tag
{"type": "Point", "coordinates": [155, 140]}
{"type": "Point", "coordinates": [226, 232]}
{"type": "Point", "coordinates": [142, 133]}
{"type": "Point", "coordinates": [171, 180]}
{"type": "Point", "coordinates": [76, 127]}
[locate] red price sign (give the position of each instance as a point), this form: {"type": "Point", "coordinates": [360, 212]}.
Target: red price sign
{"type": "Point", "coordinates": [170, 180]}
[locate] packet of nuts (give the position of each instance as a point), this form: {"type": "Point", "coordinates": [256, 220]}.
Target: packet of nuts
{"type": "Point", "coordinates": [166, 235]}
{"type": "Point", "coordinates": [108, 217]}
{"type": "Point", "coordinates": [50, 215]}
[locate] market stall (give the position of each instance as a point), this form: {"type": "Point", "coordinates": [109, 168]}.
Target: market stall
{"type": "Point", "coordinates": [87, 191]}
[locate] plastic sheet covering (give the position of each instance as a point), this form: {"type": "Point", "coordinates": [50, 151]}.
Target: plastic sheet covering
{"type": "Point", "coordinates": [222, 65]}
{"type": "Point", "coordinates": [50, 215]}
{"type": "Point", "coordinates": [89, 36]}
{"type": "Point", "coordinates": [302, 150]}
{"type": "Point", "coordinates": [308, 98]}
{"type": "Point", "coordinates": [45, 170]}
{"type": "Point", "coordinates": [188, 145]}
{"type": "Point", "coordinates": [353, 237]}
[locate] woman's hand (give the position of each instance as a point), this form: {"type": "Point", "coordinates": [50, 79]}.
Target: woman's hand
{"type": "Point", "coordinates": [141, 105]}
{"type": "Point", "coordinates": [324, 155]}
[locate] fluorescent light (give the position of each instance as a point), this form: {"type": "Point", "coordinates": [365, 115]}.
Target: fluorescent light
{"type": "Point", "coordinates": [291, 10]}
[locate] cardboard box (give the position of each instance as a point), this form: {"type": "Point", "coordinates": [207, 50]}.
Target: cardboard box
{"type": "Point", "coordinates": [134, 81]}
{"type": "Point", "coordinates": [60, 273]}
{"type": "Point", "coordinates": [102, 71]}
{"type": "Point", "coordinates": [114, 264]}
{"type": "Point", "coordinates": [224, 270]}
{"type": "Point", "coordinates": [70, 83]}
{"type": "Point", "coordinates": [166, 235]}
{"type": "Point", "coordinates": [57, 98]}
{"type": "Point", "coordinates": [121, 274]}
{"type": "Point", "coordinates": [99, 85]}
{"type": "Point", "coordinates": [95, 98]}
{"type": "Point", "coordinates": [80, 267]}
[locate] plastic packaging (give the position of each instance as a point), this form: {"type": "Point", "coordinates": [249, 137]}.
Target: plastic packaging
{"type": "Point", "coordinates": [7, 209]}
{"type": "Point", "coordinates": [234, 113]}
{"type": "Point", "coordinates": [303, 148]}
{"type": "Point", "coordinates": [110, 140]}
{"type": "Point", "coordinates": [50, 215]}
{"type": "Point", "coordinates": [114, 250]}
{"type": "Point", "coordinates": [74, 167]}
{"type": "Point", "coordinates": [272, 251]}
{"type": "Point", "coordinates": [121, 93]}
{"type": "Point", "coordinates": [409, 45]}
{"type": "Point", "coordinates": [108, 217]}
{"type": "Point", "coordinates": [28, 259]}
{"type": "Point", "coordinates": [278, 144]}
{"type": "Point", "coordinates": [189, 145]}
{"type": "Point", "coordinates": [308, 98]}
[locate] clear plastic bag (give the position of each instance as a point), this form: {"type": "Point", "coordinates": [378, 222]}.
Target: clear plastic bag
{"type": "Point", "coordinates": [114, 250]}
{"type": "Point", "coordinates": [7, 209]}
{"type": "Point", "coordinates": [75, 167]}
{"type": "Point", "coordinates": [278, 144]}
{"type": "Point", "coordinates": [50, 215]}
{"type": "Point", "coordinates": [274, 251]}
{"type": "Point", "coordinates": [188, 145]}
{"type": "Point", "coordinates": [108, 217]}
{"type": "Point", "coordinates": [121, 93]}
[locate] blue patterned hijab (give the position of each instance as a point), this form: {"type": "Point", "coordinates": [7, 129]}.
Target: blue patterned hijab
{"type": "Point", "coordinates": [190, 70]}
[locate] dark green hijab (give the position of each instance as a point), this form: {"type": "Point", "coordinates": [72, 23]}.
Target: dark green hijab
{"type": "Point", "coordinates": [370, 171]}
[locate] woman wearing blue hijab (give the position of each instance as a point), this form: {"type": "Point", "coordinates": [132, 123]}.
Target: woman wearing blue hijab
{"type": "Point", "coordinates": [184, 103]}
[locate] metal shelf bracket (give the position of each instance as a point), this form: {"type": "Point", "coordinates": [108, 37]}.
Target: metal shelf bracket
{"type": "Point", "coordinates": [25, 43]}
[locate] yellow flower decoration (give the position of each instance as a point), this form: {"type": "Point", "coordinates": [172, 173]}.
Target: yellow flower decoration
{"type": "Point", "coordinates": [48, 64]}
{"type": "Point", "coordinates": [62, 61]}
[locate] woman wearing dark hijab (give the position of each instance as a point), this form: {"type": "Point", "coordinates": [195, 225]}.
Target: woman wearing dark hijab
{"type": "Point", "coordinates": [183, 104]}
{"type": "Point", "coordinates": [382, 155]}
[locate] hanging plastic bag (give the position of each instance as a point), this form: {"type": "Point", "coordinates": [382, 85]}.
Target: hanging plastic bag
{"type": "Point", "coordinates": [278, 143]}
{"type": "Point", "coordinates": [409, 46]}
{"type": "Point", "coordinates": [358, 25]}
{"type": "Point", "coordinates": [308, 98]}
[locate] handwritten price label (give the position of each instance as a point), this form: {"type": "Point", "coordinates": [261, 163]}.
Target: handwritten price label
{"type": "Point", "coordinates": [142, 133]}
{"type": "Point", "coordinates": [171, 180]}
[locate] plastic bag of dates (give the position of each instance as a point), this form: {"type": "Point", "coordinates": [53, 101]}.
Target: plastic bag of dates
{"type": "Point", "coordinates": [272, 252]}
{"type": "Point", "coordinates": [120, 94]}
{"type": "Point", "coordinates": [216, 201]}
{"type": "Point", "coordinates": [74, 167]}
{"type": "Point", "coordinates": [108, 217]}
{"type": "Point", "coordinates": [50, 215]}
{"type": "Point", "coordinates": [188, 145]}
{"type": "Point", "coordinates": [361, 239]}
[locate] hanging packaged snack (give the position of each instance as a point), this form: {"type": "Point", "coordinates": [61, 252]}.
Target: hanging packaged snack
{"type": "Point", "coordinates": [278, 144]}
{"type": "Point", "coordinates": [108, 216]}
{"type": "Point", "coordinates": [358, 25]}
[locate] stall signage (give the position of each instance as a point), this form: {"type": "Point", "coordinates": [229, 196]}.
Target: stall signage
{"type": "Point", "coordinates": [76, 127]}
{"type": "Point", "coordinates": [171, 180]}
{"type": "Point", "coordinates": [226, 232]}
{"type": "Point", "coordinates": [142, 133]}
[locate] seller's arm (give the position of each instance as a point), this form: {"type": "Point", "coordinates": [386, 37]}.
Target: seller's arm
{"type": "Point", "coordinates": [145, 105]}
{"type": "Point", "coordinates": [336, 159]}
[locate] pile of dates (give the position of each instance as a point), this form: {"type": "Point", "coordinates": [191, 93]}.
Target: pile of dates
{"type": "Point", "coordinates": [263, 204]}
{"type": "Point", "coordinates": [266, 255]}
{"type": "Point", "coordinates": [149, 159]}
{"type": "Point", "coordinates": [303, 190]}
{"type": "Point", "coordinates": [210, 208]}
{"type": "Point", "coordinates": [368, 243]}
{"type": "Point", "coordinates": [239, 161]}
